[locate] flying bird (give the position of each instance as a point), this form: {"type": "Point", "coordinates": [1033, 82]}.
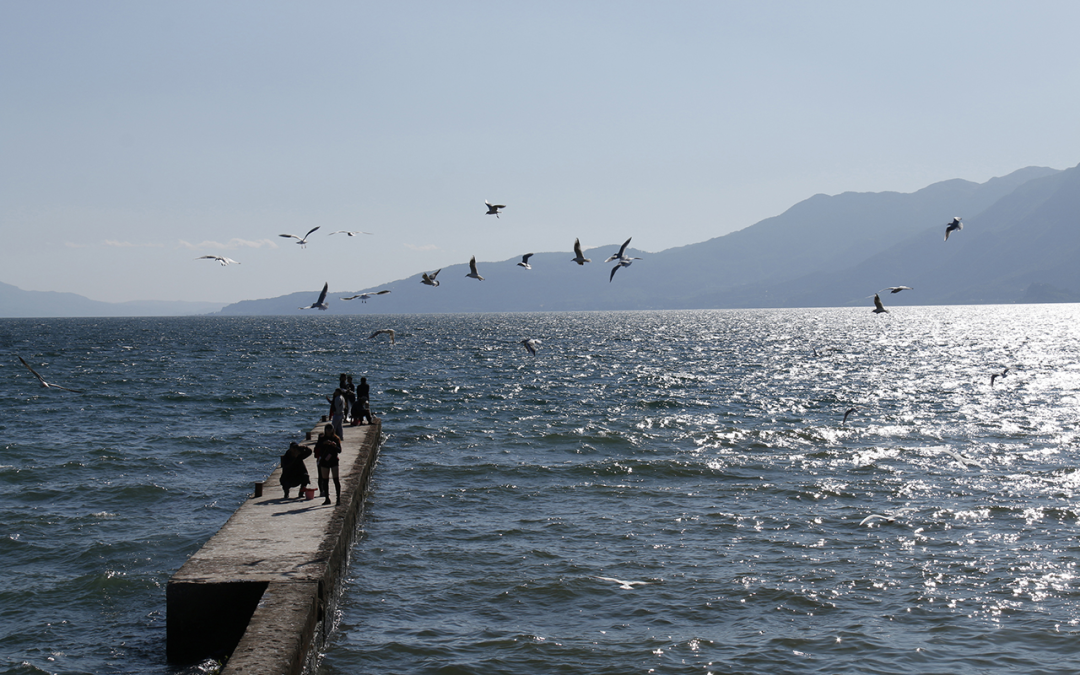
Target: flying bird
{"type": "Point", "coordinates": [220, 258]}
{"type": "Point", "coordinates": [44, 383]}
{"type": "Point", "coordinates": [897, 289]}
{"type": "Point", "coordinates": [429, 279]}
{"type": "Point", "coordinates": [472, 270]}
{"type": "Point", "coordinates": [628, 585]}
{"type": "Point", "coordinates": [351, 233]}
{"type": "Point", "coordinates": [531, 345]}
{"type": "Point", "coordinates": [525, 261]}
{"type": "Point", "coordinates": [300, 240]}
{"type": "Point", "coordinates": [846, 413]}
{"type": "Point", "coordinates": [621, 255]}
{"type": "Point", "coordinates": [623, 262]}
{"type": "Point", "coordinates": [878, 307]}
{"type": "Point", "coordinates": [388, 331]}
{"type": "Point", "coordinates": [875, 516]}
{"type": "Point", "coordinates": [493, 209]}
{"type": "Point", "coordinates": [953, 226]}
{"type": "Point", "coordinates": [578, 257]}
{"type": "Point", "coordinates": [321, 302]}
{"type": "Point", "coordinates": [997, 375]}
{"type": "Point", "coordinates": [364, 296]}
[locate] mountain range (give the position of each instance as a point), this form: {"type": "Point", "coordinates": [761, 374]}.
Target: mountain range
{"type": "Point", "coordinates": [1020, 244]}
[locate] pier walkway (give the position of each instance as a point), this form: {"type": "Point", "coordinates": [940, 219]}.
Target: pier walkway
{"type": "Point", "coordinates": [264, 586]}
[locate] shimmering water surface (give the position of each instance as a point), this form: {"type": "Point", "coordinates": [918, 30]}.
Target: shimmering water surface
{"type": "Point", "coordinates": [699, 452]}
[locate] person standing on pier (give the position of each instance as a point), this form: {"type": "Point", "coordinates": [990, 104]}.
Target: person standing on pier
{"type": "Point", "coordinates": [350, 398]}
{"type": "Point", "coordinates": [294, 472]}
{"type": "Point", "coordinates": [337, 412]}
{"type": "Point", "coordinates": [327, 450]}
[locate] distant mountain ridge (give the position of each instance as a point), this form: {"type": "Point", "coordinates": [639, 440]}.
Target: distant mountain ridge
{"type": "Point", "coordinates": [1020, 243]}
{"type": "Point", "coordinates": [824, 251]}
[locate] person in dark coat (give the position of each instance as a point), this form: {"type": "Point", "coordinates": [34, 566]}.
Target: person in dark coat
{"type": "Point", "coordinates": [293, 470]}
{"type": "Point", "coordinates": [327, 450]}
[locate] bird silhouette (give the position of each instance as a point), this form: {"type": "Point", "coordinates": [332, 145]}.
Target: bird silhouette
{"type": "Point", "coordinates": [953, 227]}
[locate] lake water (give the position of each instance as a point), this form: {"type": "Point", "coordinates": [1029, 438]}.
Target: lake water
{"type": "Point", "coordinates": [700, 452]}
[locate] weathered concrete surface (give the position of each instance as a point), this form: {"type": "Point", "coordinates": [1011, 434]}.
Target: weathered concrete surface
{"type": "Point", "coordinates": [262, 587]}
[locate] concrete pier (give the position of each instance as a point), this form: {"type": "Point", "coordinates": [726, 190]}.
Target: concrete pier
{"type": "Point", "coordinates": [263, 588]}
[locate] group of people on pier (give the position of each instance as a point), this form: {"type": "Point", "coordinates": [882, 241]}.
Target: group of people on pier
{"type": "Point", "coordinates": [348, 405]}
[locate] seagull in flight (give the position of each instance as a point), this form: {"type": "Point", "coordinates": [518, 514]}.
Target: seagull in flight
{"type": "Point", "coordinates": [351, 233]}
{"type": "Point", "coordinates": [846, 413]}
{"type": "Point", "coordinates": [364, 296]}
{"type": "Point", "coordinates": [876, 516]}
{"type": "Point", "coordinates": [525, 261]}
{"type": "Point", "coordinates": [621, 255]}
{"type": "Point", "coordinates": [493, 209]}
{"type": "Point", "coordinates": [473, 274]}
{"type": "Point", "coordinates": [220, 258]}
{"type": "Point", "coordinates": [878, 307]}
{"type": "Point", "coordinates": [429, 279]}
{"type": "Point", "coordinates": [623, 262]}
{"type": "Point", "coordinates": [578, 257]}
{"type": "Point", "coordinates": [953, 226]}
{"type": "Point", "coordinates": [997, 375]}
{"type": "Point", "coordinates": [628, 585]}
{"type": "Point", "coordinates": [46, 384]}
{"type": "Point", "coordinates": [388, 331]}
{"type": "Point", "coordinates": [300, 240]}
{"type": "Point", "coordinates": [531, 345]}
{"type": "Point", "coordinates": [321, 302]}
{"type": "Point", "coordinates": [897, 289]}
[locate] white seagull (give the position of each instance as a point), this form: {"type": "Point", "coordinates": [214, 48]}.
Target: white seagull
{"type": "Point", "coordinates": [531, 345]}
{"type": "Point", "coordinates": [364, 296]}
{"type": "Point", "coordinates": [493, 209]}
{"type": "Point", "coordinates": [44, 383]}
{"type": "Point", "coordinates": [628, 585]}
{"type": "Point", "coordinates": [578, 257]}
{"type": "Point", "coordinates": [473, 274]}
{"type": "Point", "coordinates": [623, 262]}
{"type": "Point", "coordinates": [878, 307]}
{"type": "Point", "coordinates": [953, 226]}
{"type": "Point", "coordinates": [525, 261]}
{"type": "Point", "coordinates": [876, 516]}
{"type": "Point", "coordinates": [848, 412]}
{"type": "Point", "coordinates": [997, 375]}
{"type": "Point", "coordinates": [300, 240]}
{"type": "Point", "coordinates": [897, 289]}
{"type": "Point", "coordinates": [429, 279]}
{"type": "Point", "coordinates": [220, 258]}
{"type": "Point", "coordinates": [351, 233]}
{"type": "Point", "coordinates": [621, 255]}
{"type": "Point", "coordinates": [388, 331]}
{"type": "Point", "coordinates": [321, 302]}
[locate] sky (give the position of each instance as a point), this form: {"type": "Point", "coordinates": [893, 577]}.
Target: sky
{"type": "Point", "coordinates": [136, 136]}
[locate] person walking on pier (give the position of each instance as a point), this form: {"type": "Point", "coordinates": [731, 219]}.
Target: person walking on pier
{"type": "Point", "coordinates": [327, 450]}
{"type": "Point", "coordinates": [294, 472]}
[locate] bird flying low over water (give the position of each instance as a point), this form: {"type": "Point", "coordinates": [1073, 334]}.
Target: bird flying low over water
{"type": "Point", "coordinates": [429, 279]}
{"type": "Point", "coordinates": [493, 209]}
{"type": "Point", "coordinates": [300, 240]}
{"type": "Point", "coordinates": [388, 331]}
{"type": "Point", "coordinates": [953, 227]}
{"type": "Point", "coordinates": [525, 261]}
{"type": "Point", "coordinates": [579, 258]}
{"type": "Point", "coordinates": [44, 383]}
{"type": "Point", "coordinates": [846, 413]}
{"type": "Point", "coordinates": [364, 296]}
{"type": "Point", "coordinates": [351, 233]}
{"type": "Point", "coordinates": [321, 302]}
{"type": "Point", "coordinates": [997, 375]}
{"type": "Point", "coordinates": [878, 307]}
{"type": "Point", "coordinates": [220, 258]}
{"type": "Point", "coordinates": [623, 262]}
{"type": "Point", "coordinates": [473, 274]}
{"type": "Point", "coordinates": [621, 255]}
{"type": "Point", "coordinates": [869, 520]}
{"type": "Point", "coordinates": [531, 345]}
{"type": "Point", "coordinates": [628, 585]}
{"type": "Point", "coordinates": [897, 289]}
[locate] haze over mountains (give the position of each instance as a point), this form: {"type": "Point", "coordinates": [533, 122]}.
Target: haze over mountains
{"type": "Point", "coordinates": [1020, 243]}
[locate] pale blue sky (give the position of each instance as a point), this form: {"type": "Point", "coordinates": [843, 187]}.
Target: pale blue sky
{"type": "Point", "coordinates": [136, 136]}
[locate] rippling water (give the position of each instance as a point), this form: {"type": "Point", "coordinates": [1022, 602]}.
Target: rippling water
{"type": "Point", "coordinates": [699, 452]}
